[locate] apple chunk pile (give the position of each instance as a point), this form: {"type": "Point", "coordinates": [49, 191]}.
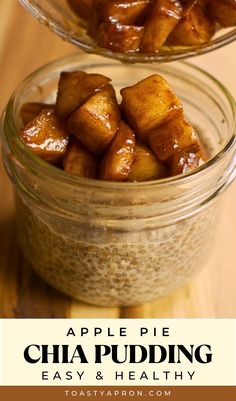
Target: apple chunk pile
{"type": "Point", "coordinates": [88, 134]}
{"type": "Point", "coordinates": [146, 25]}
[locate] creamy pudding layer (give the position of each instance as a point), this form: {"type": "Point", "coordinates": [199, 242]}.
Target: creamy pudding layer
{"type": "Point", "coordinates": [115, 268]}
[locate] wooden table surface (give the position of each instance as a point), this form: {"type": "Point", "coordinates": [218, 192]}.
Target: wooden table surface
{"type": "Point", "coordinates": [24, 46]}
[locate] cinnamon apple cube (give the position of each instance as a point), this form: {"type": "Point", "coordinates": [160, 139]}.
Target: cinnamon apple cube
{"type": "Point", "coordinates": [223, 11]}
{"type": "Point", "coordinates": [149, 104]}
{"type": "Point", "coordinates": [126, 12]}
{"type": "Point", "coordinates": [172, 137]}
{"type": "Point", "coordinates": [68, 93]}
{"type": "Point", "coordinates": [119, 156]}
{"type": "Point", "coordinates": [194, 29]}
{"type": "Point", "coordinates": [119, 38]}
{"type": "Point", "coordinates": [79, 161]}
{"type": "Point", "coordinates": [186, 160]}
{"type": "Point", "coordinates": [96, 122]}
{"type": "Point", "coordinates": [131, 12]}
{"type": "Point", "coordinates": [145, 166]}
{"type": "Point", "coordinates": [30, 110]}
{"type": "Point", "coordinates": [75, 88]}
{"type": "Point", "coordinates": [46, 136]}
{"type": "Point", "coordinates": [164, 17]}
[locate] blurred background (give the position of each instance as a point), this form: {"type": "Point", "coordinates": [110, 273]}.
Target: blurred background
{"type": "Point", "coordinates": [24, 46]}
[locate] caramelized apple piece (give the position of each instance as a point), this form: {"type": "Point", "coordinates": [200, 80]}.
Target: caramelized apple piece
{"type": "Point", "coordinates": [75, 88]}
{"type": "Point", "coordinates": [46, 136]}
{"type": "Point", "coordinates": [149, 104]}
{"type": "Point", "coordinates": [120, 38]}
{"type": "Point", "coordinates": [223, 11]}
{"type": "Point", "coordinates": [172, 137]}
{"type": "Point", "coordinates": [79, 161]}
{"type": "Point", "coordinates": [96, 122]}
{"type": "Point", "coordinates": [145, 166]}
{"type": "Point", "coordinates": [81, 7]}
{"type": "Point", "coordinates": [126, 12]}
{"type": "Point", "coordinates": [164, 17]}
{"type": "Point", "coordinates": [186, 160]}
{"type": "Point", "coordinates": [117, 161]}
{"type": "Point", "coordinates": [30, 110]}
{"type": "Point", "coordinates": [194, 28]}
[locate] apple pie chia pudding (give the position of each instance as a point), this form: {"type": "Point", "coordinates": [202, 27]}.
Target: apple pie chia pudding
{"type": "Point", "coordinates": [122, 243]}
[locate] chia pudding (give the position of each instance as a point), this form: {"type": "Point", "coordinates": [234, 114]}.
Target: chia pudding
{"type": "Point", "coordinates": [108, 268]}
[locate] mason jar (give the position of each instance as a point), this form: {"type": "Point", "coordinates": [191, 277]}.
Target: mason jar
{"type": "Point", "coordinates": [110, 243]}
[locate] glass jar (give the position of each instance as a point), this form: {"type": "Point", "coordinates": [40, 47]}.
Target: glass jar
{"type": "Point", "coordinates": [121, 243]}
{"type": "Point", "coordinates": [60, 19]}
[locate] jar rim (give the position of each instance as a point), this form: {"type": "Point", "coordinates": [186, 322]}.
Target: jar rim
{"type": "Point", "coordinates": [168, 54]}
{"type": "Point", "coordinates": [56, 174]}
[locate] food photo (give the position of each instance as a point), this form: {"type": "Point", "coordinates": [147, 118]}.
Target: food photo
{"type": "Point", "coordinates": [142, 31]}
{"type": "Point", "coordinates": [116, 172]}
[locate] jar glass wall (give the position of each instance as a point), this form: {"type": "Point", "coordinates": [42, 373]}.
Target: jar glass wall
{"type": "Point", "coordinates": [121, 243]}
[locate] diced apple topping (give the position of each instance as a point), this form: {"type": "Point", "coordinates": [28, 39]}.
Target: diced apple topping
{"type": "Point", "coordinates": [125, 12]}
{"type": "Point", "coordinates": [118, 158]}
{"type": "Point", "coordinates": [46, 136]}
{"type": "Point", "coordinates": [75, 88]}
{"type": "Point", "coordinates": [148, 26]}
{"type": "Point", "coordinates": [96, 122]}
{"type": "Point", "coordinates": [186, 160]}
{"type": "Point", "coordinates": [163, 18]}
{"type": "Point", "coordinates": [30, 110]}
{"type": "Point", "coordinates": [169, 138]}
{"type": "Point", "coordinates": [120, 38]}
{"type": "Point", "coordinates": [145, 166]}
{"type": "Point", "coordinates": [149, 104]}
{"type": "Point", "coordinates": [224, 11]}
{"type": "Point", "coordinates": [194, 28]}
{"type": "Point", "coordinates": [79, 161]}
{"type": "Point", "coordinates": [145, 138]}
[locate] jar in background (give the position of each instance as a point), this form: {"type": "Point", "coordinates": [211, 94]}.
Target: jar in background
{"type": "Point", "coordinates": [121, 243]}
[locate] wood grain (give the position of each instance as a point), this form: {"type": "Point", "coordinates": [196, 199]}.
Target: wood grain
{"type": "Point", "coordinates": [24, 46]}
